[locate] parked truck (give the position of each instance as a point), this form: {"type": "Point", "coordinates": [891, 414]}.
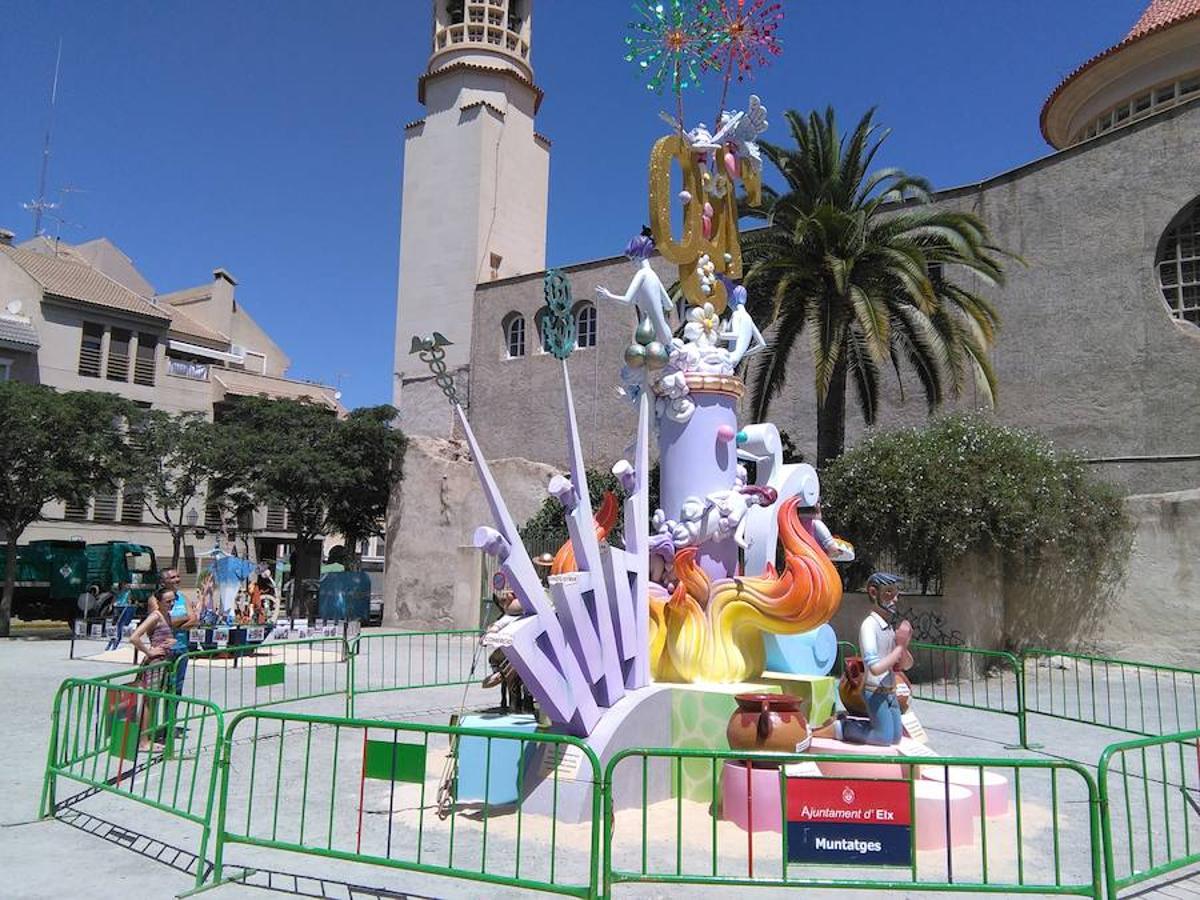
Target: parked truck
{"type": "Point", "coordinates": [119, 562]}
{"type": "Point", "coordinates": [50, 577]}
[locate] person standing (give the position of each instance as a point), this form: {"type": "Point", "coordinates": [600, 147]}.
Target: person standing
{"type": "Point", "coordinates": [156, 666]}
{"type": "Point", "coordinates": [125, 609]}
{"type": "Point", "coordinates": [183, 617]}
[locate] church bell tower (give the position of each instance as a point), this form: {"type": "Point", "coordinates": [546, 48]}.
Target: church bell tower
{"type": "Point", "coordinates": [475, 190]}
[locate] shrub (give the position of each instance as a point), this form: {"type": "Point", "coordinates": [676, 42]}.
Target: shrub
{"type": "Point", "coordinates": [546, 530]}
{"type": "Point", "coordinates": [928, 496]}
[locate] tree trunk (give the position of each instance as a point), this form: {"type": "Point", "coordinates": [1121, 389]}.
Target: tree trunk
{"type": "Point", "coordinates": [10, 580]}
{"type": "Point", "coordinates": [831, 418]}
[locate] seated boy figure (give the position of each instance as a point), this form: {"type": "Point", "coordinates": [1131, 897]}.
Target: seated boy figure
{"type": "Point", "coordinates": [884, 651]}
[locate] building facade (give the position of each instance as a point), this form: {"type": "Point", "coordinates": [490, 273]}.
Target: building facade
{"type": "Point", "coordinates": [1099, 348]}
{"type": "Point", "coordinates": [83, 318]}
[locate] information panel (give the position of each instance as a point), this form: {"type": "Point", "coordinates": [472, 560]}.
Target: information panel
{"type": "Point", "coordinates": [834, 821]}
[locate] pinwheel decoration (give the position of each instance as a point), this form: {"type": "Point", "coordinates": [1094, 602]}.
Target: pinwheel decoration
{"type": "Point", "coordinates": [671, 42]}
{"type": "Point", "coordinates": [743, 37]}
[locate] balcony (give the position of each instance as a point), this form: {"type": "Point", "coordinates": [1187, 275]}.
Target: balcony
{"type": "Point", "coordinates": [186, 368]}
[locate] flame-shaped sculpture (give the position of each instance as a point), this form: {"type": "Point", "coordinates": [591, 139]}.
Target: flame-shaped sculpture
{"type": "Point", "coordinates": [606, 518]}
{"type": "Point", "coordinates": [712, 630]}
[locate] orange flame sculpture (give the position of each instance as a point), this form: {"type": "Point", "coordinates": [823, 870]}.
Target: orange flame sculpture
{"type": "Point", "coordinates": [605, 518]}
{"type": "Point", "coordinates": [712, 630]}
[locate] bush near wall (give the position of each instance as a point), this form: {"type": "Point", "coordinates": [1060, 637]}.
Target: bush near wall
{"type": "Point", "coordinates": [928, 496]}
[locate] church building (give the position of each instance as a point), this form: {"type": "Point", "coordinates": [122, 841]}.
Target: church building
{"type": "Point", "coordinates": [1099, 348]}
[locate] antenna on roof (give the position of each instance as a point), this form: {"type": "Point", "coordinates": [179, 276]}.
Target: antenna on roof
{"type": "Point", "coordinates": [40, 205]}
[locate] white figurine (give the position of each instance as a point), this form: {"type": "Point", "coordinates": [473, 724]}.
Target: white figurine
{"type": "Point", "coordinates": [646, 290]}
{"type": "Point", "coordinates": [743, 334]}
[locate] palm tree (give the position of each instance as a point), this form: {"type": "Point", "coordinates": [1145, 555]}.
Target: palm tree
{"type": "Point", "coordinates": [856, 258]}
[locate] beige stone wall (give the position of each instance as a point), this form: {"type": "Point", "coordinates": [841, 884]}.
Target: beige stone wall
{"type": "Point", "coordinates": [517, 405]}
{"type": "Point", "coordinates": [432, 573]}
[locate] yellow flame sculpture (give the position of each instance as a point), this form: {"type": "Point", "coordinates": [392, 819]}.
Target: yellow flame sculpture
{"type": "Point", "coordinates": [711, 631]}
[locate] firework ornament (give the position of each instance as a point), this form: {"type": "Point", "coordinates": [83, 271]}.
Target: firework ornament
{"type": "Point", "coordinates": [671, 42]}
{"type": "Point", "coordinates": [743, 37]}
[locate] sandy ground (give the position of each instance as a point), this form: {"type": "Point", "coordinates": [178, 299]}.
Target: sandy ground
{"type": "Point", "coordinates": [106, 846]}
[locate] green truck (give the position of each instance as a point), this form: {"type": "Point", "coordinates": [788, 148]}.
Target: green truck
{"type": "Point", "coordinates": [116, 562]}
{"type": "Point", "coordinates": [51, 575]}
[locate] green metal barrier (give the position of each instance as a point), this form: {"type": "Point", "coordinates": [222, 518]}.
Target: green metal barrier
{"type": "Point", "coordinates": [368, 791]}
{"type": "Point", "coordinates": [396, 661]}
{"type": "Point", "coordinates": [101, 737]}
{"type": "Point", "coordinates": [1118, 694]}
{"type": "Point", "coordinates": [685, 842]}
{"type": "Point", "coordinates": [254, 676]}
{"type": "Point", "coordinates": [950, 675]}
{"type": "Point", "coordinates": [1150, 807]}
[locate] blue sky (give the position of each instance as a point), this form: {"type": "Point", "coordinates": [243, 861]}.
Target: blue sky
{"type": "Point", "coordinates": [266, 137]}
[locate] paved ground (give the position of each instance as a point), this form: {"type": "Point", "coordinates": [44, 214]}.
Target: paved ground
{"type": "Point", "coordinates": [111, 847]}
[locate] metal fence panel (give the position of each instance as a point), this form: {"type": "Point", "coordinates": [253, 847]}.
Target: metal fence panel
{"type": "Point", "coordinates": [1150, 796]}
{"type": "Point", "coordinates": [259, 675]}
{"type": "Point", "coordinates": [368, 791]}
{"type": "Point", "coordinates": [148, 746]}
{"type": "Point", "coordinates": [1046, 840]}
{"type": "Point", "coordinates": [1122, 695]}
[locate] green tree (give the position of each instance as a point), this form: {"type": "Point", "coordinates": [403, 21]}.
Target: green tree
{"type": "Point", "coordinates": [372, 461]}
{"type": "Point", "coordinates": [328, 473]}
{"type": "Point", "coordinates": [858, 259]}
{"type": "Point", "coordinates": [172, 459]}
{"type": "Point", "coordinates": [53, 446]}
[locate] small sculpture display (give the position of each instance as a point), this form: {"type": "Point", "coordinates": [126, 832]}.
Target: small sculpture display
{"type": "Point", "coordinates": [870, 687]}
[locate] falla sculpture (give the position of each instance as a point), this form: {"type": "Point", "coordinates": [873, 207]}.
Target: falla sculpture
{"type": "Point", "coordinates": [693, 589]}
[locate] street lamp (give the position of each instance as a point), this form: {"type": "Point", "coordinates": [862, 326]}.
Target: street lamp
{"type": "Point", "coordinates": [193, 518]}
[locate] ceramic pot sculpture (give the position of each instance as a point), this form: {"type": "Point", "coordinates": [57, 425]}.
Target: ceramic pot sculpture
{"type": "Point", "coordinates": [772, 723]}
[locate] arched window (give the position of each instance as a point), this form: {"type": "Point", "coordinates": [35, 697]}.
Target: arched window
{"type": "Point", "coordinates": [585, 325]}
{"type": "Point", "coordinates": [514, 335]}
{"type": "Point", "coordinates": [1178, 264]}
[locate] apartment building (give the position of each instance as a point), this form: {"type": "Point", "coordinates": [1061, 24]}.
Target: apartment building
{"type": "Point", "coordinates": [82, 317]}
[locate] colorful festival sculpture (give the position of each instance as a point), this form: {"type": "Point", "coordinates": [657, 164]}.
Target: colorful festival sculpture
{"type": "Point", "coordinates": [693, 590]}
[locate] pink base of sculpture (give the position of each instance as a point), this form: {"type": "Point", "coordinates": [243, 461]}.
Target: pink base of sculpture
{"type": "Point", "coordinates": [752, 806]}
{"type": "Point", "coordinates": [995, 787]}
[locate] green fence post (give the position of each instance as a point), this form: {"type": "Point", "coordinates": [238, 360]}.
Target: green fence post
{"type": "Point", "coordinates": [1110, 865]}
{"type": "Point", "coordinates": [351, 653]}
{"type": "Point", "coordinates": [600, 803]}
{"type": "Point", "coordinates": [221, 762]}
{"type": "Point", "coordinates": [46, 807]}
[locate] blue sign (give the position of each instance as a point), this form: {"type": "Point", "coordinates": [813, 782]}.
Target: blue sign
{"type": "Point", "coordinates": [825, 843]}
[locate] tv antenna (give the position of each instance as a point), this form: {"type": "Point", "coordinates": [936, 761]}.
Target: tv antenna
{"type": "Point", "coordinates": [39, 206]}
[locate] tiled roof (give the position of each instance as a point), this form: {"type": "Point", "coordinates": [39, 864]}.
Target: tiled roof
{"type": "Point", "coordinates": [18, 330]}
{"type": "Point", "coordinates": [1161, 13]}
{"type": "Point", "coordinates": [182, 323]}
{"type": "Point", "coordinates": [1159, 16]}
{"type": "Point", "coordinates": [240, 383]}
{"type": "Point", "coordinates": [79, 281]}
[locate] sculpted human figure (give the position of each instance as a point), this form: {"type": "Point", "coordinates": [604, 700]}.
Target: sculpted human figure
{"type": "Point", "coordinates": [743, 335]}
{"type": "Point", "coordinates": [884, 651]}
{"type": "Point", "coordinates": [646, 290]}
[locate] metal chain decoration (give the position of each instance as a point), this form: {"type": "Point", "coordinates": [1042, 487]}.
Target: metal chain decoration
{"type": "Point", "coordinates": [556, 319]}
{"type": "Point", "coordinates": [430, 352]}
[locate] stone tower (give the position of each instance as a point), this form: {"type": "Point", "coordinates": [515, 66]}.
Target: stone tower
{"type": "Point", "coordinates": [475, 190]}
